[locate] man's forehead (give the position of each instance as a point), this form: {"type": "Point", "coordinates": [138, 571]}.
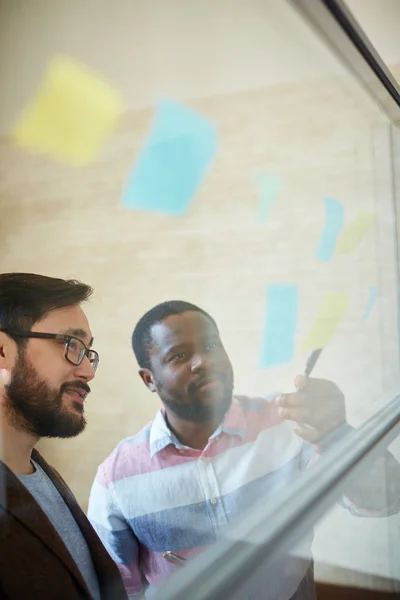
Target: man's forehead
{"type": "Point", "coordinates": [175, 327]}
{"type": "Point", "coordinates": [70, 320]}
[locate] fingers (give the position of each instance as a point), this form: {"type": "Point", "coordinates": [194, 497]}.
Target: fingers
{"type": "Point", "coordinates": [308, 416]}
{"type": "Point", "coordinates": [301, 415]}
{"type": "Point", "coordinates": [300, 381]}
{"type": "Point", "coordinates": [319, 403]}
{"type": "Point", "coordinates": [309, 434]}
{"type": "Point", "coordinates": [291, 400]}
{"type": "Point", "coordinates": [315, 386]}
{"type": "Point", "coordinates": [309, 389]}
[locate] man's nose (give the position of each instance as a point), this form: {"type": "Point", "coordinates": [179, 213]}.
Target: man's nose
{"type": "Point", "coordinates": [199, 362]}
{"type": "Point", "coordinates": [85, 370]}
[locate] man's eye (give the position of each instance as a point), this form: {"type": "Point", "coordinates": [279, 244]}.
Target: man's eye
{"type": "Point", "coordinates": [179, 356]}
{"type": "Point", "coordinates": [211, 345]}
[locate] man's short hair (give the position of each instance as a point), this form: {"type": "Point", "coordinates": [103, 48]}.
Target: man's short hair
{"type": "Point", "coordinates": [142, 341]}
{"type": "Point", "coordinates": [26, 298]}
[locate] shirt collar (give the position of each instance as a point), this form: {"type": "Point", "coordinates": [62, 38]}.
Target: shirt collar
{"type": "Point", "coordinates": [161, 436]}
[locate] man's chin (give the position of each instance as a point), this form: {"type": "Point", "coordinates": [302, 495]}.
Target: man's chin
{"type": "Point", "coordinates": [69, 424]}
{"type": "Point", "coordinates": [212, 410]}
{"type": "Point", "coordinates": [213, 397]}
{"type": "Point", "coordinates": [69, 432]}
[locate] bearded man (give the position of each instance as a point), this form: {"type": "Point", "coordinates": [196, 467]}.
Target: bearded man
{"type": "Point", "coordinates": [48, 549]}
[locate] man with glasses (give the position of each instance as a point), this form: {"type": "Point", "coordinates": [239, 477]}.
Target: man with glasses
{"type": "Point", "coordinates": [48, 548]}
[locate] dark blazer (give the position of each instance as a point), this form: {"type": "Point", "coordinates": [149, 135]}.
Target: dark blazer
{"type": "Point", "coordinates": [34, 562]}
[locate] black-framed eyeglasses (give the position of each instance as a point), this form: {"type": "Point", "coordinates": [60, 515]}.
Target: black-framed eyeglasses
{"type": "Point", "coordinates": [74, 349]}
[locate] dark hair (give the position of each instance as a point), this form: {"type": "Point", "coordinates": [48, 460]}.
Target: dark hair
{"type": "Point", "coordinates": [141, 337]}
{"type": "Point", "coordinates": [26, 298]}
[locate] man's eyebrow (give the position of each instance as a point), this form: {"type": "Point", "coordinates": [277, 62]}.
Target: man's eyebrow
{"type": "Point", "coordinates": [79, 333]}
{"type": "Point", "coordinates": [174, 347]}
{"type": "Point", "coordinates": [171, 349]}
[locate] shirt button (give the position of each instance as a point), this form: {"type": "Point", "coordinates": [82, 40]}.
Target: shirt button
{"type": "Point", "coordinates": [213, 501]}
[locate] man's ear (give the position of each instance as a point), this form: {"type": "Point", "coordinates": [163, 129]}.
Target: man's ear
{"type": "Point", "coordinates": [148, 379]}
{"type": "Point", "coordinates": [8, 356]}
{"type": "Point", "coordinates": [8, 351]}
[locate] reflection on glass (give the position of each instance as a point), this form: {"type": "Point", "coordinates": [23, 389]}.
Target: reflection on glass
{"type": "Point", "coordinates": [362, 552]}
{"type": "Point", "coordinates": [349, 552]}
{"type": "Point", "coordinates": [246, 202]}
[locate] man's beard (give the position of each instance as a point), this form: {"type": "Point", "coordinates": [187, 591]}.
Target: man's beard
{"type": "Point", "coordinates": [33, 406]}
{"type": "Point", "coordinates": [194, 409]}
{"type": "Point", "coordinates": [198, 412]}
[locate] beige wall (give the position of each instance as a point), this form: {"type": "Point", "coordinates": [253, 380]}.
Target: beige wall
{"type": "Point", "coordinates": [158, 47]}
{"type": "Point", "coordinates": [281, 104]}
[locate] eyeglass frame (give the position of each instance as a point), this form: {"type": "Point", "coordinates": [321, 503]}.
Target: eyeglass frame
{"type": "Point", "coordinates": [58, 336]}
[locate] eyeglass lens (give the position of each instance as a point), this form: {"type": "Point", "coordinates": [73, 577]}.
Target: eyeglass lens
{"type": "Point", "coordinates": [76, 351]}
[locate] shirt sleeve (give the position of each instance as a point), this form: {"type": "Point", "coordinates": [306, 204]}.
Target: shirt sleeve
{"type": "Point", "coordinates": [115, 533]}
{"type": "Point", "coordinates": [375, 493]}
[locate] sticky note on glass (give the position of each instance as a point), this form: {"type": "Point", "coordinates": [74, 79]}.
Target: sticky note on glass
{"type": "Point", "coordinates": [334, 217]}
{"type": "Point", "coordinates": [331, 312]}
{"type": "Point", "coordinates": [72, 114]}
{"type": "Point", "coordinates": [173, 162]}
{"type": "Point", "coordinates": [270, 185]}
{"type": "Point", "coordinates": [282, 307]}
{"type": "Point", "coordinates": [353, 233]}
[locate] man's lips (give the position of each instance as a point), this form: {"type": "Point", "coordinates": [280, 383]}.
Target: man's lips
{"type": "Point", "coordinates": [77, 393]}
{"type": "Point", "coordinates": [208, 383]}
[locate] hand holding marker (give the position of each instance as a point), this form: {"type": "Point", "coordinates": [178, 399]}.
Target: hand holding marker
{"type": "Point", "coordinates": [310, 364]}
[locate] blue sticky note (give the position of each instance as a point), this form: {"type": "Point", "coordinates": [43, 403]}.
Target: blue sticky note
{"type": "Point", "coordinates": [280, 324]}
{"type": "Point", "coordinates": [334, 218]}
{"type": "Point", "coordinates": [270, 185]}
{"type": "Point", "coordinates": [173, 162]}
{"type": "Point", "coordinates": [373, 294]}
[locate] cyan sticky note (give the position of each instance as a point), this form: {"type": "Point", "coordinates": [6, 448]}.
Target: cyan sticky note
{"type": "Point", "coordinates": [282, 306]}
{"type": "Point", "coordinates": [173, 162]}
{"type": "Point", "coordinates": [373, 294]}
{"type": "Point", "coordinates": [334, 217]}
{"type": "Point", "coordinates": [72, 115]}
{"type": "Point", "coordinates": [270, 185]}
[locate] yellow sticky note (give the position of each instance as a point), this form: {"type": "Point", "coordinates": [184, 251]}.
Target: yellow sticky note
{"type": "Point", "coordinates": [72, 114]}
{"type": "Point", "coordinates": [329, 316]}
{"type": "Point", "coordinates": [352, 235]}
